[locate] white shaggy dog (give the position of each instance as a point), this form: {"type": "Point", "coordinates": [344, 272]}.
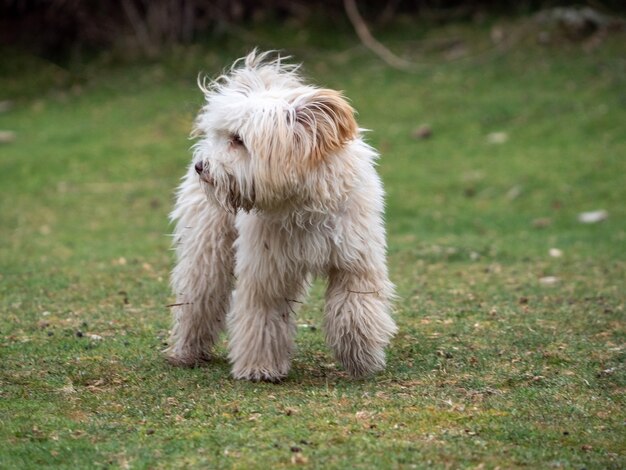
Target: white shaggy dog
{"type": "Point", "coordinates": [281, 188]}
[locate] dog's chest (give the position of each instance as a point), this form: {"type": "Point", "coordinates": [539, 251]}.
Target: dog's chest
{"type": "Point", "coordinates": [309, 245]}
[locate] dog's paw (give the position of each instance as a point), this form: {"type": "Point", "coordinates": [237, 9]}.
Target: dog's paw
{"type": "Point", "coordinates": [260, 374]}
{"type": "Point", "coordinates": [363, 365]}
{"type": "Point", "coordinates": [187, 359]}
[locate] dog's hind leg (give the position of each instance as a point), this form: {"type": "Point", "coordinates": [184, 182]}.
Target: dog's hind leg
{"type": "Point", "coordinates": [202, 279]}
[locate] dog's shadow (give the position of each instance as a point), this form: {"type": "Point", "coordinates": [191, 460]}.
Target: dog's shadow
{"type": "Point", "coordinates": [302, 373]}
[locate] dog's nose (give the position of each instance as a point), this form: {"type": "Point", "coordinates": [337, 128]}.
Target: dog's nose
{"type": "Point", "coordinates": [198, 166]}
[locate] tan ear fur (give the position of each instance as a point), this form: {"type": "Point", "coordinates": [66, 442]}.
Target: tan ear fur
{"type": "Point", "coordinates": [329, 120]}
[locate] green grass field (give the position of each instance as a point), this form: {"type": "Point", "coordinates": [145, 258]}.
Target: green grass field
{"type": "Point", "coordinates": [494, 365]}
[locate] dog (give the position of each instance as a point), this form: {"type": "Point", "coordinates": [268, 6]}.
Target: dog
{"type": "Point", "coordinates": [281, 188]}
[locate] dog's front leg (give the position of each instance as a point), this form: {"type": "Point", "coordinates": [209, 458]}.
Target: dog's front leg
{"type": "Point", "coordinates": [203, 277]}
{"type": "Point", "coordinates": [357, 323]}
{"type": "Point", "coordinates": [270, 286]}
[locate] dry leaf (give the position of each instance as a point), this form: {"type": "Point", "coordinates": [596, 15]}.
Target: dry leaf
{"type": "Point", "coordinates": [363, 415]}
{"type": "Point", "coordinates": [299, 459]}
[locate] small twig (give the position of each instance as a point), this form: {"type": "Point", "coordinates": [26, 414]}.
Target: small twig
{"type": "Point", "coordinates": [289, 304]}
{"type": "Point", "coordinates": [370, 41]}
{"type": "Point", "coordinates": [140, 27]}
{"type": "Point", "coordinates": [178, 304]}
{"type": "Point", "coordinates": [360, 292]}
{"type": "Point", "coordinates": [364, 34]}
{"type": "Point", "coordinates": [293, 312]}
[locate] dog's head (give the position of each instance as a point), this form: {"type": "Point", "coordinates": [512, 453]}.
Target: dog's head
{"type": "Point", "coordinates": [265, 135]}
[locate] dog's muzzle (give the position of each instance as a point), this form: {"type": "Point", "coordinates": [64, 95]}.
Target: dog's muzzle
{"type": "Point", "coordinates": [199, 167]}
{"type": "Point", "coordinates": [233, 199]}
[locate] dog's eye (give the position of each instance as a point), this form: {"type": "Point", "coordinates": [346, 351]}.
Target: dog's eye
{"type": "Point", "coordinates": [235, 139]}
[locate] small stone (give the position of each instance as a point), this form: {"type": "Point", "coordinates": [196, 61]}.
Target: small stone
{"type": "Point", "coordinates": [497, 137]}
{"type": "Point", "coordinates": [544, 37]}
{"type": "Point", "coordinates": [593, 217]}
{"type": "Point", "coordinates": [514, 192]}
{"type": "Point", "coordinates": [548, 280]}
{"type": "Point", "coordinates": [422, 132]}
{"type": "Point", "coordinates": [542, 222]}
{"type": "Point", "coordinates": [555, 253]}
{"type": "Point", "coordinates": [497, 34]}
{"type": "Point", "coordinates": [5, 105]}
{"type": "Point", "coordinates": [6, 137]}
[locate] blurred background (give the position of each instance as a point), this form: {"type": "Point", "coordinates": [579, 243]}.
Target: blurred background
{"type": "Point", "coordinates": [71, 33]}
{"type": "Point", "coordinates": [498, 122]}
{"type": "Point", "coordinates": [63, 29]}
{"type": "Point", "coordinates": [482, 110]}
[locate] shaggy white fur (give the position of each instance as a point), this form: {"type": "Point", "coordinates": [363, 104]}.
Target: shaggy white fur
{"type": "Point", "coordinates": [281, 188]}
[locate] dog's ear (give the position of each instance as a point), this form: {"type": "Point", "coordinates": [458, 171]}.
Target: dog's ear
{"type": "Point", "coordinates": [328, 123]}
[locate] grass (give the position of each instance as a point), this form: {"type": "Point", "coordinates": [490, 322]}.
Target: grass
{"type": "Point", "coordinates": [491, 368]}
